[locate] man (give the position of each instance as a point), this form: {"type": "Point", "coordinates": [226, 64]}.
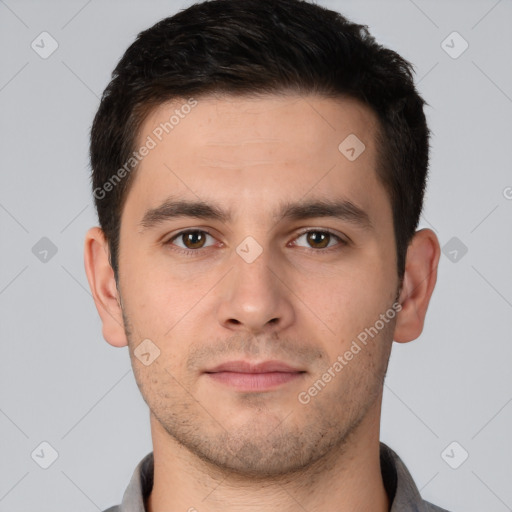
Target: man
{"type": "Point", "coordinates": [259, 168]}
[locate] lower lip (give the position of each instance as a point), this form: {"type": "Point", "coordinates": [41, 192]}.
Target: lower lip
{"type": "Point", "coordinates": [255, 381]}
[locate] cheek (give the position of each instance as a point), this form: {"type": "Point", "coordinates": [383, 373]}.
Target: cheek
{"type": "Point", "coordinates": [156, 382]}
{"type": "Point", "coordinates": [350, 306]}
{"type": "Point", "coordinates": [153, 290]}
{"type": "Point", "coordinates": [164, 309]}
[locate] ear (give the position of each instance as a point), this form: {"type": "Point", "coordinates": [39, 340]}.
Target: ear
{"type": "Point", "coordinates": [103, 287]}
{"type": "Point", "coordinates": [419, 281]}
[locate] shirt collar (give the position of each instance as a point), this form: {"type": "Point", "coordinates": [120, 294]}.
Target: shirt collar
{"type": "Point", "coordinates": [402, 491]}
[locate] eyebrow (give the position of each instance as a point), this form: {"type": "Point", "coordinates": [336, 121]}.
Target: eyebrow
{"type": "Point", "coordinates": [342, 209]}
{"type": "Point", "coordinates": [173, 208]}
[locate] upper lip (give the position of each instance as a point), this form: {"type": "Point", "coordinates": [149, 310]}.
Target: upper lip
{"type": "Point", "coordinates": [252, 367]}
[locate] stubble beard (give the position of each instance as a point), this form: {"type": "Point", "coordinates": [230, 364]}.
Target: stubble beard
{"type": "Point", "coordinates": [306, 440]}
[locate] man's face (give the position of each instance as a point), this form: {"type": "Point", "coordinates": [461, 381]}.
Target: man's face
{"type": "Point", "coordinates": [252, 285]}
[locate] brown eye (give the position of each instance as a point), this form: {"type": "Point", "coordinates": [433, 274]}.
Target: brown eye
{"type": "Point", "coordinates": [193, 239]}
{"type": "Point", "coordinates": [318, 239]}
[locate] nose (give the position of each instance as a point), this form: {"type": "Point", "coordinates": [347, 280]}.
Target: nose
{"type": "Point", "coordinates": [255, 298]}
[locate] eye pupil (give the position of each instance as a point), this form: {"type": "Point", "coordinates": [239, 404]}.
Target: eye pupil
{"type": "Point", "coordinates": [193, 239]}
{"type": "Point", "coordinates": [318, 239]}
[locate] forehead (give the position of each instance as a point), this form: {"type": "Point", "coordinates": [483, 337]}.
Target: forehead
{"type": "Point", "coordinates": [215, 122]}
{"type": "Point", "coordinates": [240, 150]}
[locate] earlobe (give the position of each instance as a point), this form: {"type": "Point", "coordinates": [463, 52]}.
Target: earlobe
{"type": "Point", "coordinates": [103, 287]}
{"type": "Point", "coordinates": [419, 281]}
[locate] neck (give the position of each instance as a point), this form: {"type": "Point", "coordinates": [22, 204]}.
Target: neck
{"type": "Point", "coordinates": [347, 479]}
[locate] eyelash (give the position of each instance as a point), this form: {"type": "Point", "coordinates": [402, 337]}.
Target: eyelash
{"type": "Point", "coordinates": [191, 252]}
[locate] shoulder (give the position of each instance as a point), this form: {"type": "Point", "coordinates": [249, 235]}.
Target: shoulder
{"type": "Point", "coordinates": [112, 509]}
{"type": "Point", "coordinates": [400, 484]}
{"type": "Point", "coordinates": [429, 507]}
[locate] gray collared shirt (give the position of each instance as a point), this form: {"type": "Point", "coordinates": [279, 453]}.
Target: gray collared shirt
{"type": "Point", "coordinates": [402, 491]}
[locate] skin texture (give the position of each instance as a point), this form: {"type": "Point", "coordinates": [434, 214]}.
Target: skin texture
{"type": "Point", "coordinates": [302, 301]}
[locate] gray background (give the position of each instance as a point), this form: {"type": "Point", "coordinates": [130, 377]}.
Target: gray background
{"type": "Point", "coordinates": [62, 383]}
